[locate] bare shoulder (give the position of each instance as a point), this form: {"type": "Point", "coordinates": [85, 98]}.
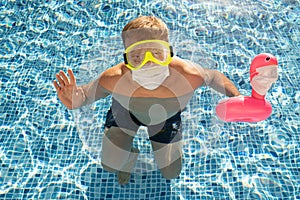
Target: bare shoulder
{"type": "Point", "coordinates": [110, 77]}
{"type": "Point", "coordinates": [112, 72]}
{"type": "Point", "coordinates": [191, 71]}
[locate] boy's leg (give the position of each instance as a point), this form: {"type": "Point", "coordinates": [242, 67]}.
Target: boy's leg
{"type": "Point", "coordinates": [125, 173]}
{"type": "Point", "coordinates": [166, 141]}
{"type": "Point", "coordinates": [168, 158]}
{"type": "Point", "coordinates": [117, 152]}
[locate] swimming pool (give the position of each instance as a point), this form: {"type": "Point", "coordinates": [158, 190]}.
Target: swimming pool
{"type": "Point", "coordinates": [49, 152]}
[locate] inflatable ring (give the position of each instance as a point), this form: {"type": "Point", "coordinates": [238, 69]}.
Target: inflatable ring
{"type": "Point", "coordinates": [253, 108]}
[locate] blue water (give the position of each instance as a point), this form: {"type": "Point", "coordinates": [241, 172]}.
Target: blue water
{"type": "Point", "coordinates": [49, 152]}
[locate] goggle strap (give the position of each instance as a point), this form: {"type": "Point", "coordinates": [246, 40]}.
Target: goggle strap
{"type": "Point", "coordinates": [171, 51]}
{"type": "Point", "coordinates": [125, 58]}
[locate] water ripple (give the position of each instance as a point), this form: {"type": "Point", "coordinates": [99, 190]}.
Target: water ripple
{"type": "Point", "coordinates": [48, 152]}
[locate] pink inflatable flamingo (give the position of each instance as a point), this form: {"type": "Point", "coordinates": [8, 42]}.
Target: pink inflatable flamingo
{"type": "Point", "coordinates": [254, 108]}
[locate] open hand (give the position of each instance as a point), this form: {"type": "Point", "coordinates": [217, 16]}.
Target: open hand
{"type": "Point", "coordinates": [67, 91]}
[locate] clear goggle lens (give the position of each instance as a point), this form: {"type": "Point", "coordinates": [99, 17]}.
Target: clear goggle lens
{"type": "Point", "coordinates": [156, 51]}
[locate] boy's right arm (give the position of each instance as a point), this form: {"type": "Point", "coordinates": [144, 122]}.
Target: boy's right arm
{"type": "Point", "coordinates": [94, 91]}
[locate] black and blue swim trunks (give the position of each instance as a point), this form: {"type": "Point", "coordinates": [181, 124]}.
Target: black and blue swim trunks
{"type": "Point", "coordinates": [166, 132]}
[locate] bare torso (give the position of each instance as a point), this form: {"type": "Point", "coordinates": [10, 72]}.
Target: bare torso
{"type": "Point", "coordinates": [153, 106]}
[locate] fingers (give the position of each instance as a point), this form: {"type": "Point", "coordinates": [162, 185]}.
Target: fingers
{"type": "Point", "coordinates": [64, 77]}
{"type": "Point", "coordinates": [56, 86]}
{"type": "Point", "coordinates": [60, 80]}
{"type": "Point", "coordinates": [72, 77]}
{"type": "Point", "coordinates": [63, 80]}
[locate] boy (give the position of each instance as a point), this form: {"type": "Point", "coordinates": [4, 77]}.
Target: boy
{"type": "Point", "coordinates": [150, 88]}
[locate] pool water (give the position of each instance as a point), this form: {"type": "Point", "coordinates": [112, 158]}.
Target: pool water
{"type": "Point", "coordinates": [49, 152]}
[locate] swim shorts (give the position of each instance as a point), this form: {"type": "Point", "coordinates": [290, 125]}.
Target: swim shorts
{"type": "Point", "coordinates": [165, 132]}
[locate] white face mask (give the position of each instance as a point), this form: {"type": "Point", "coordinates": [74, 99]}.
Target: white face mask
{"type": "Point", "coordinates": [262, 82]}
{"type": "Point", "coordinates": [151, 76]}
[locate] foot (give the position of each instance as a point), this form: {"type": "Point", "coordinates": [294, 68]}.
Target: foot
{"type": "Point", "coordinates": [125, 173]}
{"type": "Point", "coordinates": [123, 177]}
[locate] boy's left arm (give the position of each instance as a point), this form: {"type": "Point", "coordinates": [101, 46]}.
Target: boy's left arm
{"type": "Point", "coordinates": [198, 76]}
{"type": "Point", "coordinates": [220, 83]}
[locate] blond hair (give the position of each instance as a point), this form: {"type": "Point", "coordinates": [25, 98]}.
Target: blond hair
{"type": "Point", "coordinates": [147, 27]}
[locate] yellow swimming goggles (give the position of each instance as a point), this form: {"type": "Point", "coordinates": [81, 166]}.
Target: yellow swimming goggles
{"type": "Point", "coordinates": [156, 51]}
